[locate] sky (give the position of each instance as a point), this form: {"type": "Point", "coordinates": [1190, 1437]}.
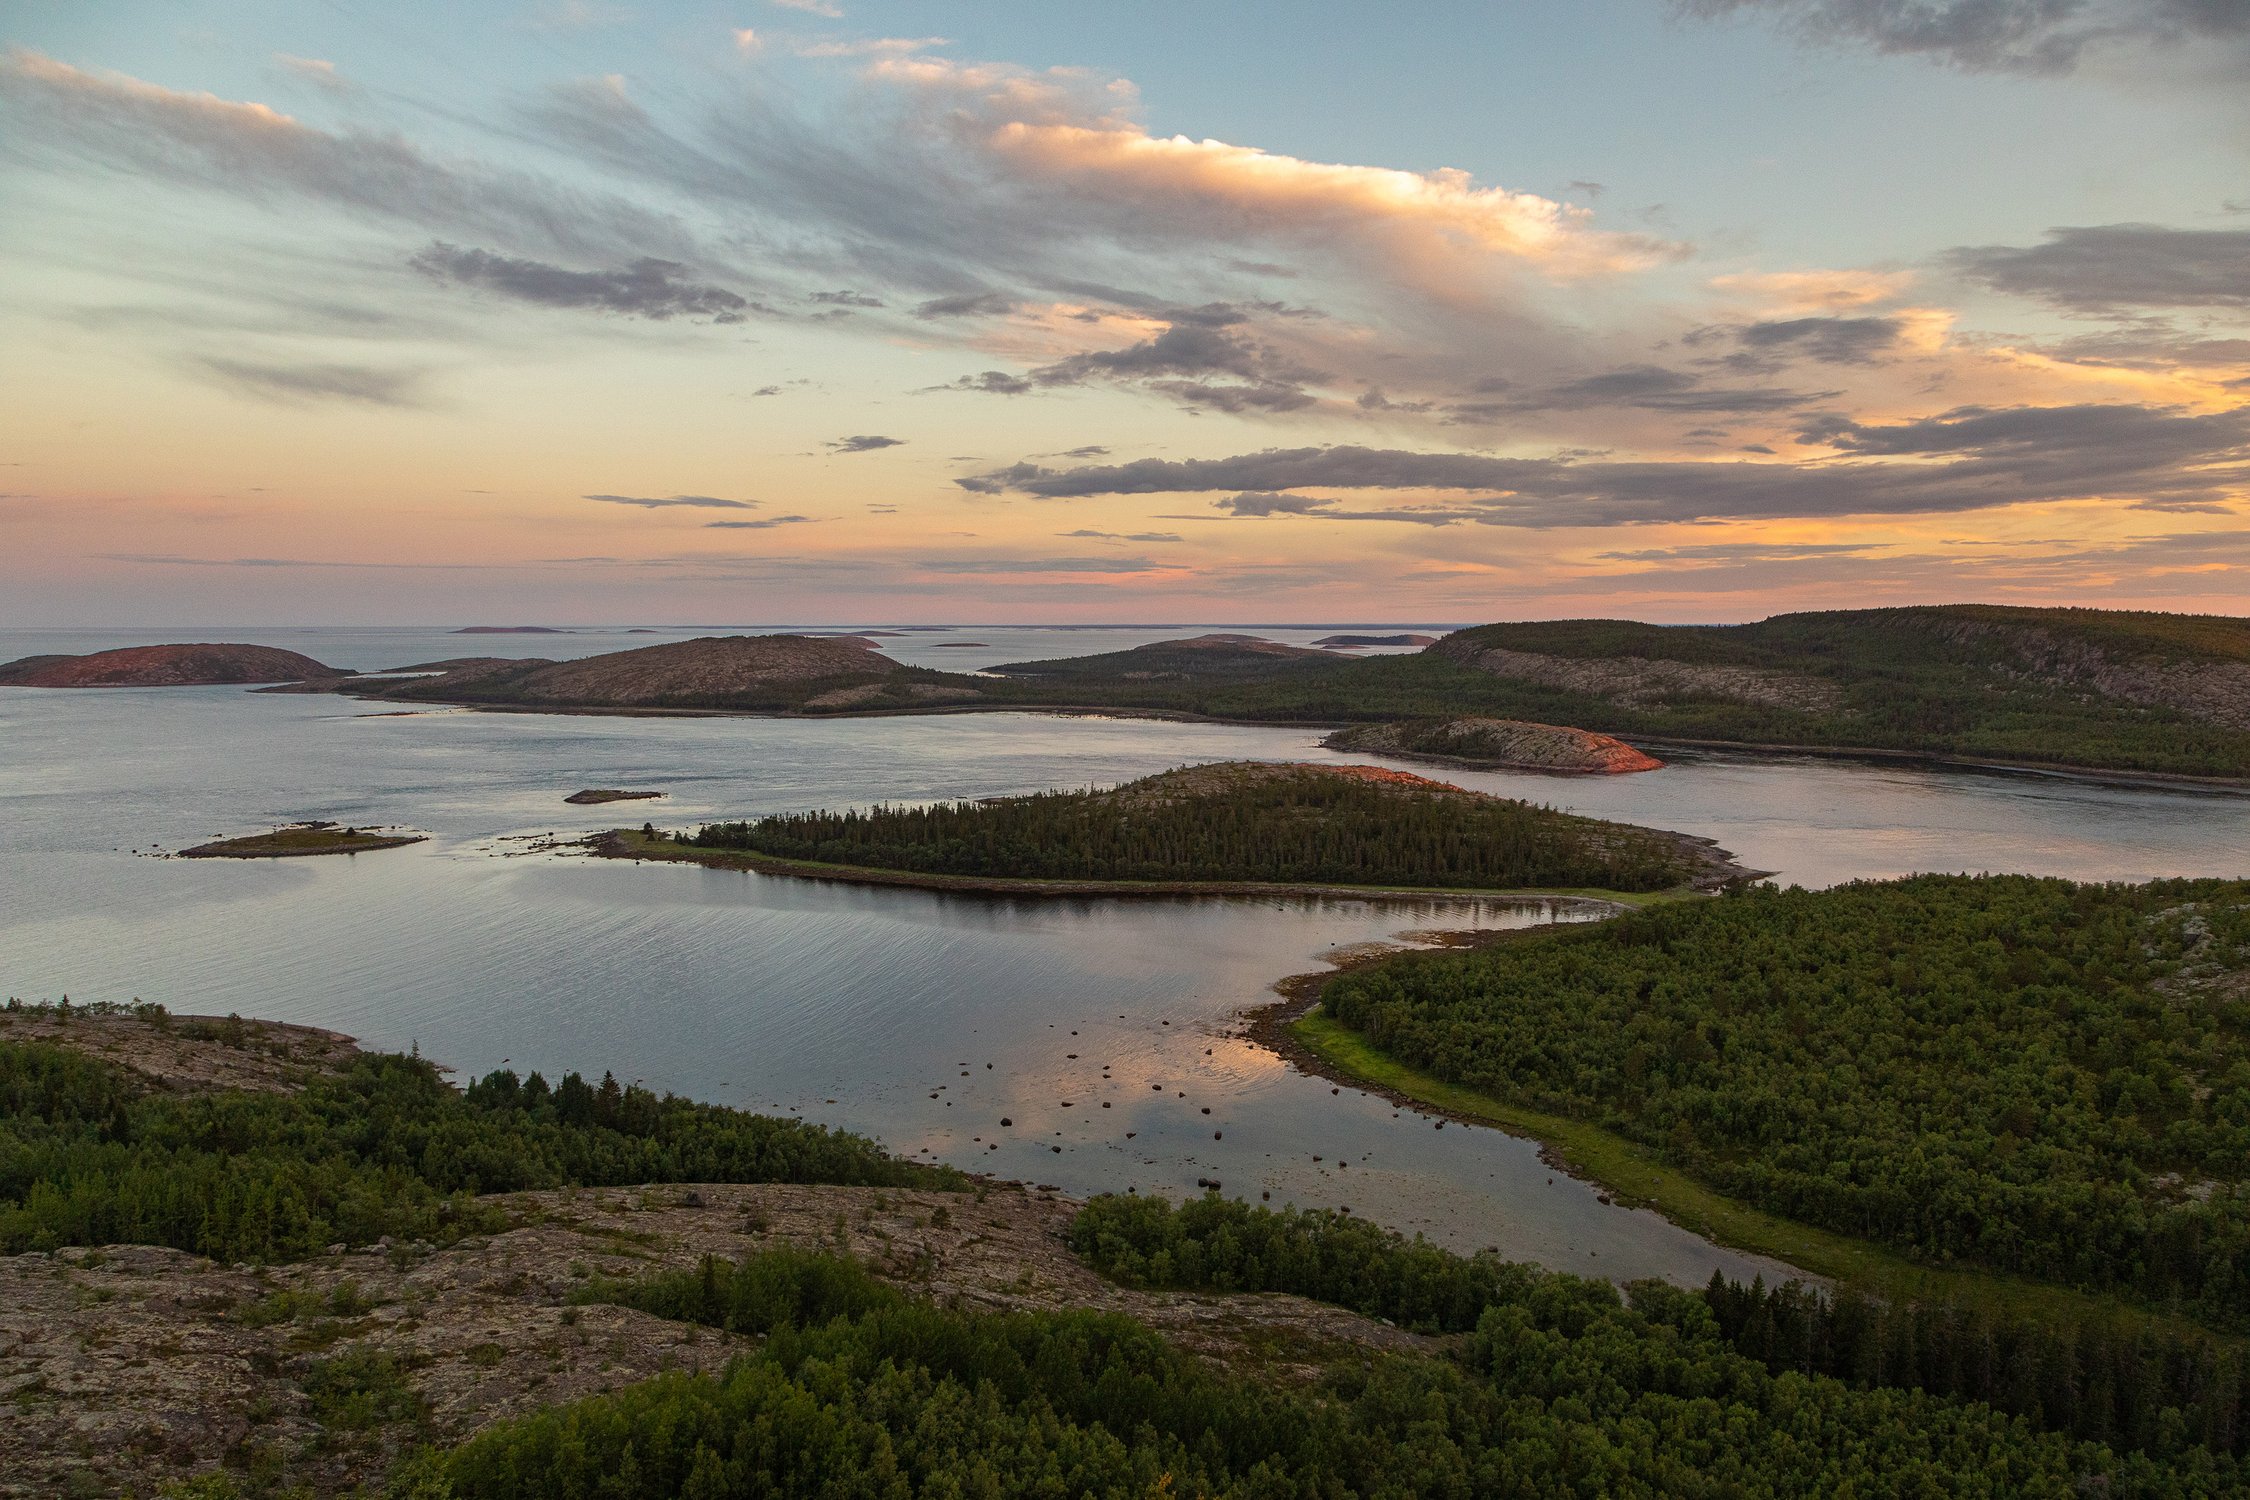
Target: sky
{"type": "Point", "coordinates": [905, 311]}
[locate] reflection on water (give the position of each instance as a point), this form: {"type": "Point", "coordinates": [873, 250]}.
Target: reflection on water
{"type": "Point", "coordinates": [923, 1018]}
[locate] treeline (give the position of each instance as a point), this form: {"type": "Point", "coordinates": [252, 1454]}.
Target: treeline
{"type": "Point", "coordinates": [1271, 824]}
{"type": "Point", "coordinates": [1565, 1391]}
{"type": "Point", "coordinates": [386, 1147]}
{"type": "Point", "coordinates": [2133, 1389]}
{"type": "Point", "coordinates": [2028, 1074]}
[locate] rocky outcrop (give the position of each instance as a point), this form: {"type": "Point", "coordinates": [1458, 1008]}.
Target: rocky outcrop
{"type": "Point", "coordinates": [195, 665]}
{"type": "Point", "coordinates": [1497, 744]}
{"type": "Point", "coordinates": [2210, 689]}
{"type": "Point", "coordinates": [1638, 681]}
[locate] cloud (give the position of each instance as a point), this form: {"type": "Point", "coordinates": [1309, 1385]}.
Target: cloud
{"type": "Point", "coordinates": [765, 524]}
{"type": "Point", "coordinates": [1835, 341]}
{"type": "Point", "coordinates": [1320, 508]}
{"type": "Point", "coordinates": [1655, 389]}
{"type": "Point", "coordinates": [2009, 36]}
{"type": "Point", "coordinates": [1044, 565]}
{"type": "Point", "coordinates": [659, 502]}
{"type": "Point", "coordinates": [967, 305]}
{"type": "Point", "coordinates": [648, 288]}
{"type": "Point", "coordinates": [846, 298]}
{"type": "Point", "coordinates": [827, 8]}
{"type": "Point", "coordinates": [317, 71]}
{"type": "Point", "coordinates": [52, 108]}
{"type": "Point", "coordinates": [863, 443]}
{"type": "Point", "coordinates": [1970, 458]}
{"type": "Point", "coordinates": [304, 384]}
{"type": "Point", "coordinates": [871, 46]}
{"type": "Point", "coordinates": [1123, 536]}
{"type": "Point", "coordinates": [1201, 358]}
{"type": "Point", "coordinates": [2103, 267]}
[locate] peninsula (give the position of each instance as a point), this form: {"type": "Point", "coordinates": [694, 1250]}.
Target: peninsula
{"type": "Point", "coordinates": [1497, 745]}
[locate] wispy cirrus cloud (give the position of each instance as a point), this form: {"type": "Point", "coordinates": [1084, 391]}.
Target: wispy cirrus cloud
{"type": "Point", "coordinates": [296, 384]}
{"type": "Point", "coordinates": [2010, 36]}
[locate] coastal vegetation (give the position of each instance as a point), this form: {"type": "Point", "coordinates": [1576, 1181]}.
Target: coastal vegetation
{"type": "Point", "coordinates": [2130, 1388]}
{"type": "Point", "coordinates": [1239, 822]}
{"type": "Point", "coordinates": [2025, 1075]}
{"type": "Point", "coordinates": [297, 839]}
{"type": "Point", "coordinates": [1559, 1386]}
{"type": "Point", "coordinates": [382, 1147]}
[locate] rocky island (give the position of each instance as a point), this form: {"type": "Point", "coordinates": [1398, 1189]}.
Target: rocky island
{"type": "Point", "coordinates": [1497, 745]}
{"type": "Point", "coordinates": [191, 665]}
{"type": "Point", "coordinates": [595, 796]}
{"type": "Point", "coordinates": [297, 840]}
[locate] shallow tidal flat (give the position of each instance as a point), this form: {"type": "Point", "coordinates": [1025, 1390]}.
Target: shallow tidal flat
{"type": "Point", "coordinates": [857, 1005]}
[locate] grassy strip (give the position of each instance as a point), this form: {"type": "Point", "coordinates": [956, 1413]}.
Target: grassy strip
{"type": "Point", "coordinates": [1638, 1177]}
{"type": "Point", "coordinates": [631, 843]}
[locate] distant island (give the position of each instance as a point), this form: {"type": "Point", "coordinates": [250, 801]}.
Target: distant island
{"type": "Point", "coordinates": [1497, 744]}
{"type": "Point", "coordinates": [511, 630]}
{"type": "Point", "coordinates": [2066, 689]}
{"type": "Point", "coordinates": [196, 665]}
{"type": "Point", "coordinates": [1375, 640]}
{"type": "Point", "coordinates": [297, 840]}
{"type": "Point", "coordinates": [594, 796]}
{"type": "Point", "coordinates": [1234, 825]}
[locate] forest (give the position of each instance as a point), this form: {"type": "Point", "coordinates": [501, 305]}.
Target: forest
{"type": "Point", "coordinates": [387, 1147]}
{"type": "Point", "coordinates": [2025, 1074]}
{"type": "Point", "coordinates": [1234, 823]}
{"type": "Point", "coordinates": [2131, 1388]}
{"type": "Point", "coordinates": [1561, 1387]}
{"type": "Point", "coordinates": [2032, 686]}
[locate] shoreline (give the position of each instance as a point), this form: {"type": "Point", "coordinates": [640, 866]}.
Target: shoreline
{"type": "Point", "coordinates": [625, 844]}
{"type": "Point", "coordinates": [1293, 1028]}
{"type": "Point", "coordinates": [1747, 748]}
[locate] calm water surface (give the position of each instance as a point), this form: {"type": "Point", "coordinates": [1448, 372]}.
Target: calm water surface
{"type": "Point", "coordinates": [918, 1017]}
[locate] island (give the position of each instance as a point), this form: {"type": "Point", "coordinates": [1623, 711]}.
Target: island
{"type": "Point", "coordinates": [536, 1288]}
{"type": "Point", "coordinates": [1497, 745]}
{"type": "Point", "coordinates": [511, 630]}
{"type": "Point", "coordinates": [594, 796]}
{"type": "Point", "coordinates": [199, 664]}
{"type": "Point", "coordinates": [1234, 826]}
{"type": "Point", "coordinates": [296, 840]}
{"type": "Point", "coordinates": [1348, 642]}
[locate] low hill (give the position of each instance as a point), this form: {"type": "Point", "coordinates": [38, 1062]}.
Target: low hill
{"type": "Point", "coordinates": [1240, 823]}
{"type": "Point", "coordinates": [165, 666]}
{"type": "Point", "coordinates": [1497, 744]}
{"type": "Point", "coordinates": [2087, 689]}
{"type": "Point", "coordinates": [1197, 657]}
{"type": "Point", "coordinates": [713, 672]}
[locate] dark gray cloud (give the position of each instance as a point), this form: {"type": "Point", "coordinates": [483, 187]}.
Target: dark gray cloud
{"type": "Point", "coordinates": [1321, 508]}
{"type": "Point", "coordinates": [300, 384]}
{"type": "Point", "coordinates": [659, 502]}
{"type": "Point", "coordinates": [1972, 458]}
{"type": "Point", "coordinates": [863, 443]}
{"type": "Point", "coordinates": [845, 298]}
{"type": "Point", "coordinates": [647, 288]}
{"type": "Point", "coordinates": [1089, 450]}
{"type": "Point", "coordinates": [2013, 36]}
{"type": "Point", "coordinates": [767, 524]}
{"type": "Point", "coordinates": [1650, 388]}
{"type": "Point", "coordinates": [1835, 341]}
{"type": "Point", "coordinates": [1721, 553]}
{"type": "Point", "coordinates": [2099, 267]}
{"type": "Point", "coordinates": [1203, 358]}
{"type": "Point", "coordinates": [967, 305]}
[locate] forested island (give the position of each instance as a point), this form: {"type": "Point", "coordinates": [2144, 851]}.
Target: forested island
{"type": "Point", "coordinates": [246, 1260]}
{"type": "Point", "coordinates": [2025, 1075]}
{"type": "Point", "coordinates": [1232, 824]}
{"type": "Point", "coordinates": [2120, 691]}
